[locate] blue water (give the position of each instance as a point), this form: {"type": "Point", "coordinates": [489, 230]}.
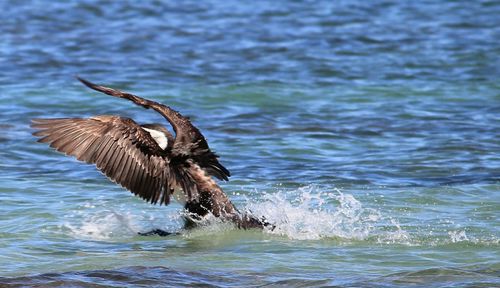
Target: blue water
{"type": "Point", "coordinates": [368, 132]}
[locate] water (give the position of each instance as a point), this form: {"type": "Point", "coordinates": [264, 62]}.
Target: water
{"type": "Point", "coordinates": [366, 131]}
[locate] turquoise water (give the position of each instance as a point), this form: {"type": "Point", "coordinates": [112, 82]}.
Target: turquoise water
{"type": "Point", "coordinates": [367, 132]}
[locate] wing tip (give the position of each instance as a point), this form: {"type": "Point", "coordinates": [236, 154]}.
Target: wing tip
{"type": "Point", "coordinates": [35, 121]}
{"type": "Point", "coordinates": [114, 92]}
{"type": "Point", "coordinates": [85, 82]}
{"type": "Point", "coordinates": [92, 85]}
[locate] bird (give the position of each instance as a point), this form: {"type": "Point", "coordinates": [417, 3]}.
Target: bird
{"type": "Point", "coordinates": [148, 160]}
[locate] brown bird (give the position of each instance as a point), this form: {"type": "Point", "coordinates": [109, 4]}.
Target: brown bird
{"type": "Point", "coordinates": [148, 160]}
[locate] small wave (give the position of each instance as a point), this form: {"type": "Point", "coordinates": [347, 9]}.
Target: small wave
{"type": "Point", "coordinates": [158, 276]}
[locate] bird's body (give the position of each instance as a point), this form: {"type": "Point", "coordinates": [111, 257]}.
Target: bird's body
{"type": "Point", "coordinates": [147, 159]}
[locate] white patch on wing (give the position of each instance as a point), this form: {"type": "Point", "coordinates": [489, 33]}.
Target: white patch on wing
{"type": "Point", "coordinates": [158, 136]}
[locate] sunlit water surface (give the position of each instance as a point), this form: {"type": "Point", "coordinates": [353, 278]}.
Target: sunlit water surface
{"type": "Point", "coordinates": [367, 132]}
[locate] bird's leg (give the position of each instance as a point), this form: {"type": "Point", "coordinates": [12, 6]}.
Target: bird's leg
{"type": "Point", "coordinates": [158, 232]}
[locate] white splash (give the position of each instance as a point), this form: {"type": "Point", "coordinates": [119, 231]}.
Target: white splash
{"type": "Point", "coordinates": [316, 215]}
{"type": "Point", "coordinates": [100, 222]}
{"type": "Point", "coordinates": [104, 225]}
{"type": "Point", "coordinates": [458, 236]}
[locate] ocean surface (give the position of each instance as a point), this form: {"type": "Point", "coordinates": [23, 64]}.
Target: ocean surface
{"type": "Point", "coordinates": [368, 132]}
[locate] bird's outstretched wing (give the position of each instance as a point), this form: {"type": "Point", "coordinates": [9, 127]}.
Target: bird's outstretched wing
{"type": "Point", "coordinates": [121, 149]}
{"type": "Point", "coordinates": [188, 143]}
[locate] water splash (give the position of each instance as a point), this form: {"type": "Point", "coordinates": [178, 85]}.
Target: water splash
{"type": "Point", "coordinates": [99, 221]}
{"type": "Point", "coordinates": [104, 225]}
{"type": "Point", "coordinates": [458, 236]}
{"type": "Point", "coordinates": [312, 214]}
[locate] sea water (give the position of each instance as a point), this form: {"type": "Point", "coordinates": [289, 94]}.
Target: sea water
{"type": "Point", "coordinates": [367, 132]}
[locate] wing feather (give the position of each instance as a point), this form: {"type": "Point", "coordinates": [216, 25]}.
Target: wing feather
{"type": "Point", "coordinates": [121, 168]}
{"type": "Point", "coordinates": [85, 141]}
{"type": "Point", "coordinates": [87, 154]}
{"type": "Point", "coordinates": [102, 152]}
{"type": "Point", "coordinates": [118, 147]}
